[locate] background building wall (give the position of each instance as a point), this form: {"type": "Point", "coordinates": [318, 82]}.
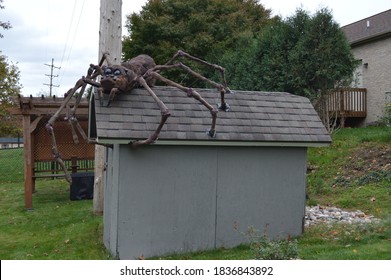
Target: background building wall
{"type": "Point", "coordinates": [376, 77]}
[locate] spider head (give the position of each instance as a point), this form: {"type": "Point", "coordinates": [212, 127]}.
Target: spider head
{"type": "Point", "coordinates": [114, 76]}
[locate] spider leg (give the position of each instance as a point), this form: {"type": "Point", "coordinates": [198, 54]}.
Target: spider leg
{"type": "Point", "coordinates": [50, 130]}
{"type": "Point", "coordinates": [223, 105]}
{"type": "Point", "coordinates": [100, 96]}
{"type": "Point", "coordinates": [181, 53]}
{"type": "Point", "coordinates": [191, 93]}
{"type": "Point", "coordinates": [223, 88]}
{"type": "Point", "coordinates": [71, 117]}
{"type": "Point", "coordinates": [93, 72]}
{"type": "Point", "coordinates": [165, 113]}
{"type": "Point", "coordinates": [113, 91]}
{"type": "Point", "coordinates": [68, 118]}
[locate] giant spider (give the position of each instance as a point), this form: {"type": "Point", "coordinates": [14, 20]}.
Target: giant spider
{"type": "Point", "coordinates": [140, 71]}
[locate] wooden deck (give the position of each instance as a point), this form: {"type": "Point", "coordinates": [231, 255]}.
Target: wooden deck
{"type": "Point", "coordinates": [348, 103]}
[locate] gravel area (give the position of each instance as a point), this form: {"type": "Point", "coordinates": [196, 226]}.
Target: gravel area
{"type": "Point", "coordinates": [321, 214]}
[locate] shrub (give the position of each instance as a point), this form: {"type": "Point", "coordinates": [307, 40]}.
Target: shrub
{"type": "Point", "coordinates": [281, 249]}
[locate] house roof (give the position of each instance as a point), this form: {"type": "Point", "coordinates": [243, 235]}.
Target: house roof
{"type": "Point", "coordinates": [263, 118]}
{"type": "Point", "coordinates": [6, 140]}
{"type": "Point", "coordinates": [368, 29]}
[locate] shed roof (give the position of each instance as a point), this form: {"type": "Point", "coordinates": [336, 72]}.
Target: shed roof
{"type": "Point", "coordinates": [255, 118]}
{"type": "Point", "coordinates": [370, 28]}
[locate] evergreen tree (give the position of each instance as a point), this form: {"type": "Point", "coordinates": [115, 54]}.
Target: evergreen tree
{"type": "Point", "coordinates": [205, 29]}
{"type": "Point", "coordinates": [303, 54]}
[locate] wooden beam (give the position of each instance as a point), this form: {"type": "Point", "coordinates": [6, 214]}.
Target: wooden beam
{"type": "Point", "coordinates": [28, 164]}
{"type": "Point", "coordinates": [46, 111]}
{"type": "Point", "coordinates": [34, 124]}
{"type": "Point", "coordinates": [38, 106]}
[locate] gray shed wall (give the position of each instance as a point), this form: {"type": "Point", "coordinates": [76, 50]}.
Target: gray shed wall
{"type": "Point", "coordinates": [200, 197]}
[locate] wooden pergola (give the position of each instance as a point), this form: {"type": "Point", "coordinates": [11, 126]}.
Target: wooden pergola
{"type": "Point", "coordinates": [35, 112]}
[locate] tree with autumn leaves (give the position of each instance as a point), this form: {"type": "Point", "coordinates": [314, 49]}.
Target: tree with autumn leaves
{"type": "Point", "coordinates": [9, 87]}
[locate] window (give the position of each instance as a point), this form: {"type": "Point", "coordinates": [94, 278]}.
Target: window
{"type": "Point", "coordinates": [357, 77]}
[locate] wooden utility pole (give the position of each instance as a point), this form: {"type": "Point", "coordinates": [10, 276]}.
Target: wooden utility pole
{"type": "Point", "coordinates": [110, 35]}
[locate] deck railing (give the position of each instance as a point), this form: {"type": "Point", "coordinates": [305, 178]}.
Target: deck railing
{"type": "Point", "coordinates": [349, 102]}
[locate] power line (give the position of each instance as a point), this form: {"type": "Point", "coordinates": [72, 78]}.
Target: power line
{"type": "Point", "coordinates": [51, 77]}
{"type": "Point", "coordinates": [69, 32]}
{"type": "Point", "coordinates": [73, 38]}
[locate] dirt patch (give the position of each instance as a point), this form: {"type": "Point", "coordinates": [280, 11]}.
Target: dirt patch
{"type": "Point", "coordinates": [367, 163]}
{"type": "Point", "coordinates": [368, 158]}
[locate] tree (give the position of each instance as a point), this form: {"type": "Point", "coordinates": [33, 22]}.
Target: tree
{"type": "Point", "coordinates": [329, 61]}
{"type": "Point", "coordinates": [325, 52]}
{"type": "Point", "coordinates": [304, 55]}
{"type": "Point", "coordinates": [4, 25]}
{"type": "Point", "coordinates": [206, 29]}
{"type": "Point", "coordinates": [258, 63]}
{"type": "Point", "coordinates": [9, 87]}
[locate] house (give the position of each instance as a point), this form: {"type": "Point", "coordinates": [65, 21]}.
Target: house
{"type": "Point", "coordinates": [188, 191]}
{"type": "Point", "coordinates": [370, 40]}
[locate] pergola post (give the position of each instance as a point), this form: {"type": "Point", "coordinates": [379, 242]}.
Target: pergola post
{"type": "Point", "coordinates": [28, 164]}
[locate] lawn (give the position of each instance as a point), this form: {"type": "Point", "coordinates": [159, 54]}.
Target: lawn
{"type": "Point", "coordinates": [57, 228]}
{"type": "Point", "coordinates": [353, 173]}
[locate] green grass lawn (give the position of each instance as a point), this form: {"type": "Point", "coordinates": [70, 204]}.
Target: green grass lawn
{"type": "Point", "coordinates": [353, 173]}
{"type": "Point", "coordinates": [57, 228]}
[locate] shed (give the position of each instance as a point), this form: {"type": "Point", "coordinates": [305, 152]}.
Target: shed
{"type": "Point", "coordinates": [189, 192]}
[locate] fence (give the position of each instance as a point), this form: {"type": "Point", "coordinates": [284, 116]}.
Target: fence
{"type": "Point", "coordinates": [12, 166]}
{"type": "Point", "coordinates": [51, 169]}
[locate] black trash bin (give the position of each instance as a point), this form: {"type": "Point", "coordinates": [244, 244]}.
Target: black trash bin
{"type": "Point", "coordinates": [82, 186]}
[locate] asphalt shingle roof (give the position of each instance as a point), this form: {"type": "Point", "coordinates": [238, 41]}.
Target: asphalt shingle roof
{"type": "Point", "coordinates": [253, 117]}
{"type": "Point", "coordinates": [369, 28]}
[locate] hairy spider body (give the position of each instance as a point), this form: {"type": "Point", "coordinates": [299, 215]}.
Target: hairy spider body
{"type": "Point", "coordinates": [124, 77]}
{"type": "Point", "coordinates": [140, 71]}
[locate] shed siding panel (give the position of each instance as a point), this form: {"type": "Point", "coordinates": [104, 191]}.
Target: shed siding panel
{"type": "Point", "coordinates": [111, 203]}
{"type": "Point", "coordinates": [263, 188]}
{"type": "Point", "coordinates": [169, 208]}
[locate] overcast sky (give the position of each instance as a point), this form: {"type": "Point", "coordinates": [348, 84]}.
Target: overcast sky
{"type": "Point", "coordinates": [67, 31]}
